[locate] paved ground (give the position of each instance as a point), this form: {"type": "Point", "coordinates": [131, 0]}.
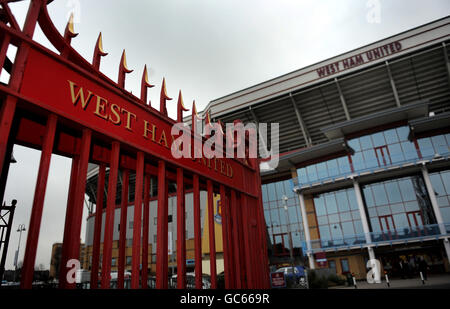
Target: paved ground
{"type": "Point", "coordinates": [433, 282]}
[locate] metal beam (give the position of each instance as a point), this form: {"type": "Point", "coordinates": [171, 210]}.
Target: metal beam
{"type": "Point", "coordinates": [265, 151]}
{"type": "Point", "coordinates": [344, 103]}
{"type": "Point", "coordinates": [302, 124]}
{"type": "Point", "coordinates": [447, 61]}
{"type": "Point", "coordinates": [394, 88]}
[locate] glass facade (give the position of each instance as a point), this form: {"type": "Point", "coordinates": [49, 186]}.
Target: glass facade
{"type": "Point", "coordinates": [276, 217]}
{"type": "Point", "coordinates": [338, 217]}
{"type": "Point", "coordinates": [381, 149]}
{"type": "Point", "coordinates": [438, 144]}
{"type": "Point", "coordinates": [441, 185]}
{"type": "Point", "coordinates": [398, 206]}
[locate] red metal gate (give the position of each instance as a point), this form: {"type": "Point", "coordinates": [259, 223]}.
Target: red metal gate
{"type": "Point", "coordinates": [61, 103]}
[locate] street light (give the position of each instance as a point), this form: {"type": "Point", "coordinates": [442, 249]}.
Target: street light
{"type": "Point", "coordinates": [20, 229]}
{"type": "Point", "coordinates": [285, 199]}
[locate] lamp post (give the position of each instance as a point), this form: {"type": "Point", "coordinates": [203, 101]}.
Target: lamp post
{"type": "Point", "coordinates": [285, 199]}
{"type": "Point", "coordinates": [20, 229]}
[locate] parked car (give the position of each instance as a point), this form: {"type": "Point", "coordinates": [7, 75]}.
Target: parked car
{"type": "Point", "coordinates": [298, 270]}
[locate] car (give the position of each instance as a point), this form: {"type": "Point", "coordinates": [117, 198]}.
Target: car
{"type": "Point", "coordinates": [298, 270]}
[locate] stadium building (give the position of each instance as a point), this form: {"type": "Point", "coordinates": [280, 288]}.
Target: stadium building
{"type": "Point", "coordinates": [364, 167]}
{"type": "Point", "coordinates": [364, 148]}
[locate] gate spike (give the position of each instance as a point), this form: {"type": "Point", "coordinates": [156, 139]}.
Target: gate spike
{"type": "Point", "coordinates": [180, 108]}
{"type": "Point", "coordinates": [144, 85]}
{"type": "Point", "coordinates": [195, 117]}
{"type": "Point", "coordinates": [163, 98]}
{"type": "Point", "coordinates": [69, 33]}
{"type": "Point", "coordinates": [98, 52]}
{"type": "Point", "coordinates": [123, 69]}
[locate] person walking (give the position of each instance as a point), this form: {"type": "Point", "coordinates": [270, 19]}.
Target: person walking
{"type": "Point", "coordinates": [423, 267]}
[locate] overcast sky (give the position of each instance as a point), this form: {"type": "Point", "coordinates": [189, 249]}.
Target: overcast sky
{"type": "Point", "coordinates": [206, 48]}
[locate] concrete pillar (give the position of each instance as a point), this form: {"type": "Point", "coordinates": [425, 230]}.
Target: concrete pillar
{"type": "Point", "coordinates": [362, 211]}
{"type": "Point", "coordinates": [306, 230]}
{"type": "Point", "coordinates": [436, 209]}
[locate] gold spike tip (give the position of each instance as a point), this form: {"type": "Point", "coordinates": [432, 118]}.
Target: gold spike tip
{"type": "Point", "coordinates": [100, 45]}
{"type": "Point", "coordinates": [124, 62]}
{"type": "Point", "coordinates": [195, 112]}
{"type": "Point", "coordinates": [164, 90]}
{"type": "Point", "coordinates": [180, 100]}
{"type": "Point", "coordinates": [147, 83]}
{"type": "Point", "coordinates": [70, 26]}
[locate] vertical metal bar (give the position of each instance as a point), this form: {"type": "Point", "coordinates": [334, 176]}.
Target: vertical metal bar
{"type": "Point", "coordinates": [237, 261]}
{"type": "Point", "coordinates": [72, 228]}
{"type": "Point", "coordinates": [38, 203]}
{"type": "Point", "coordinates": [225, 237]}
{"type": "Point", "coordinates": [181, 231]}
{"type": "Point", "coordinates": [212, 235]}
{"type": "Point", "coordinates": [247, 243]}
{"type": "Point", "coordinates": [109, 217]}
{"type": "Point", "coordinates": [98, 225]}
{"type": "Point", "coordinates": [197, 234]}
{"type": "Point", "coordinates": [5, 240]}
{"type": "Point", "coordinates": [123, 229]}
{"type": "Point", "coordinates": [68, 223]}
{"type": "Point", "coordinates": [163, 227]}
{"type": "Point", "coordinates": [3, 49]}
{"type": "Point", "coordinates": [136, 259]}
{"type": "Point", "coordinates": [7, 110]}
{"type": "Point", "coordinates": [394, 88]}
{"type": "Point", "coordinates": [145, 231]}
{"type": "Point", "coordinates": [343, 102]}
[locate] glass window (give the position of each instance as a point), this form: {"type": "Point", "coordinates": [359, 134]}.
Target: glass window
{"type": "Point", "coordinates": [378, 139]}
{"type": "Point", "coordinates": [412, 206]}
{"type": "Point", "coordinates": [366, 142]}
{"type": "Point", "coordinates": [446, 180]}
{"type": "Point", "coordinates": [396, 208]}
{"type": "Point", "coordinates": [312, 173]}
{"type": "Point", "coordinates": [355, 214]}
{"type": "Point", "coordinates": [345, 266]}
{"type": "Point", "coordinates": [403, 133]}
{"type": "Point", "coordinates": [393, 192]}
{"type": "Point", "coordinates": [271, 192]}
{"type": "Point", "coordinates": [302, 176]}
{"type": "Point", "coordinates": [391, 136]}
{"type": "Point", "coordinates": [347, 228]}
{"type": "Point", "coordinates": [264, 193]}
{"type": "Point", "coordinates": [409, 150]}
{"type": "Point", "coordinates": [375, 224]}
{"type": "Point", "coordinates": [426, 147]}
{"type": "Point", "coordinates": [440, 144]}
{"type": "Point", "coordinates": [437, 184]}
{"type": "Point", "coordinates": [330, 201]}
{"type": "Point", "coordinates": [333, 218]}
{"type": "Point", "coordinates": [396, 153]}
{"type": "Point", "coordinates": [358, 227]}
{"type": "Point", "coordinates": [407, 189]}
{"type": "Point", "coordinates": [336, 231]}
{"type": "Point", "coordinates": [358, 161]}
{"type": "Point", "coordinates": [319, 204]}
{"type": "Point", "coordinates": [400, 221]}
{"type": "Point", "coordinates": [322, 220]}
{"type": "Point", "coordinates": [370, 159]}
{"type": "Point", "coordinates": [352, 199]}
{"type": "Point", "coordinates": [344, 165]}
{"type": "Point", "coordinates": [324, 231]}
{"type": "Point", "coordinates": [289, 188]}
{"type": "Point", "coordinates": [346, 216]}
{"type": "Point", "coordinates": [341, 197]}
{"type": "Point", "coordinates": [379, 194]}
{"type": "Point", "coordinates": [322, 171]}
{"type": "Point", "coordinates": [384, 210]}
{"type": "Point", "coordinates": [354, 144]}
{"type": "Point", "coordinates": [367, 191]}
{"type": "Point", "coordinates": [280, 189]}
{"type": "Point", "coordinates": [333, 169]}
